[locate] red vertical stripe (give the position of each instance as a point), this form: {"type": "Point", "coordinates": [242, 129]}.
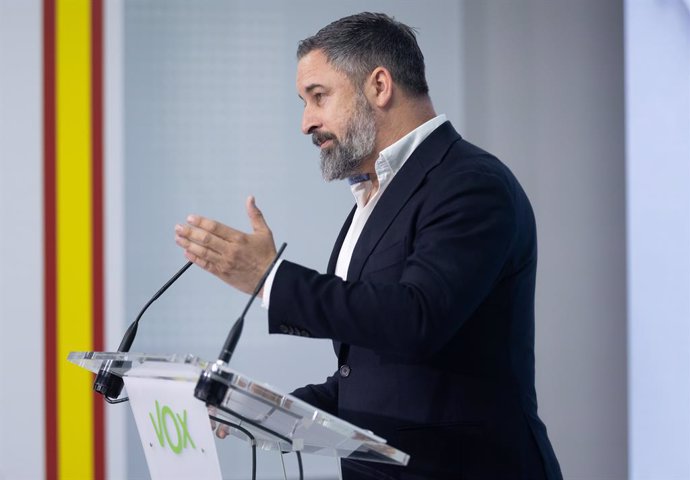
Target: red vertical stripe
{"type": "Point", "coordinates": [50, 245]}
{"type": "Point", "coordinates": [97, 220]}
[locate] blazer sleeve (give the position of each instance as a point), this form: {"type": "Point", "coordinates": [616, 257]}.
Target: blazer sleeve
{"type": "Point", "coordinates": [462, 234]}
{"type": "Point", "coordinates": [323, 396]}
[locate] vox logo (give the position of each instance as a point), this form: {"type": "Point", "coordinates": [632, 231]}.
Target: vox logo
{"type": "Point", "coordinates": [172, 428]}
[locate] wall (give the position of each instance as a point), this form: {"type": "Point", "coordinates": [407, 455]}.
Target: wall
{"type": "Point", "coordinates": [539, 83]}
{"type": "Point", "coordinates": [21, 242]}
{"type": "Point", "coordinates": [211, 115]}
{"type": "Point", "coordinates": [658, 159]}
{"type": "Point", "coordinates": [544, 86]}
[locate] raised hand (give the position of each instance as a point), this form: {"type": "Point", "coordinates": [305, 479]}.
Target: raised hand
{"type": "Point", "coordinates": [237, 258]}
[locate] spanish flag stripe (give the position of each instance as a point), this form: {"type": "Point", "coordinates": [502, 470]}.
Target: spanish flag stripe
{"type": "Point", "coordinates": [73, 202]}
{"type": "Point", "coordinates": [49, 247]}
{"type": "Point", "coordinates": [97, 222]}
{"type": "Point", "coordinates": [74, 231]}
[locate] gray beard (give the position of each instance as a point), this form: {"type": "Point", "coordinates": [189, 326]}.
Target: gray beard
{"type": "Point", "coordinates": [344, 159]}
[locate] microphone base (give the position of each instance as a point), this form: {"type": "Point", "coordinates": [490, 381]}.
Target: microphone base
{"type": "Point", "coordinates": [108, 384]}
{"type": "Point", "coordinates": [211, 390]}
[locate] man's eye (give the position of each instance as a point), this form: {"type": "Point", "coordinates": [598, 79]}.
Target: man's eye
{"type": "Point", "coordinates": [317, 97]}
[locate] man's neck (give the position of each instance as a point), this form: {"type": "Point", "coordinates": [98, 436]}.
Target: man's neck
{"type": "Point", "coordinates": [395, 125]}
{"type": "Point", "coordinates": [401, 120]}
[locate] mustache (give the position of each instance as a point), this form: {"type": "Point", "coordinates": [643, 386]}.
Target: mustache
{"type": "Point", "coordinates": [318, 138]}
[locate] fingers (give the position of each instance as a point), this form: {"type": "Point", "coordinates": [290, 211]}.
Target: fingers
{"type": "Point", "coordinates": [255, 216]}
{"type": "Point", "coordinates": [186, 235]}
{"type": "Point", "coordinates": [235, 257]}
{"type": "Point", "coordinates": [199, 244]}
{"type": "Point", "coordinates": [222, 431]}
{"type": "Point", "coordinates": [213, 227]}
{"type": "Point", "coordinates": [206, 249]}
{"type": "Point", "coordinates": [206, 240]}
{"type": "Point", "coordinates": [205, 264]}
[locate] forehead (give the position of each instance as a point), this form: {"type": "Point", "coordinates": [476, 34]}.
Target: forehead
{"type": "Point", "coordinates": [314, 70]}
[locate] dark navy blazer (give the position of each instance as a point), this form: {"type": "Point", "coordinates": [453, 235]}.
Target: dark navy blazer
{"type": "Point", "coordinates": [434, 327]}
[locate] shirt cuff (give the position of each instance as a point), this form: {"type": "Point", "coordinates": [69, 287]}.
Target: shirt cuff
{"type": "Point", "coordinates": [266, 297]}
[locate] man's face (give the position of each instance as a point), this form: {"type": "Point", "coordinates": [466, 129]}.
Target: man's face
{"type": "Point", "coordinates": [336, 115]}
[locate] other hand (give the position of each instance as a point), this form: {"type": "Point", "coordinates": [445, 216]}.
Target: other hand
{"type": "Point", "coordinates": [220, 429]}
{"type": "Point", "coordinates": [237, 258]}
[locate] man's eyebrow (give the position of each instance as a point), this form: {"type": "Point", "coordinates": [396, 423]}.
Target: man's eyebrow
{"type": "Point", "coordinates": [312, 86]}
{"type": "Point", "coordinates": [309, 88]}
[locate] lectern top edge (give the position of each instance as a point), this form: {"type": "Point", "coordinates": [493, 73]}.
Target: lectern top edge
{"type": "Point", "coordinates": [272, 415]}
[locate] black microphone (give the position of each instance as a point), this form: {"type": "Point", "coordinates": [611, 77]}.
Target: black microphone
{"type": "Point", "coordinates": [110, 385]}
{"type": "Point", "coordinates": [209, 389]}
{"type": "Point", "coordinates": [131, 332]}
{"type": "Point", "coordinates": [236, 330]}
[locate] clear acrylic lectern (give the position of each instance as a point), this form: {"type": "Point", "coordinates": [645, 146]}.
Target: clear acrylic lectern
{"type": "Point", "coordinates": [277, 420]}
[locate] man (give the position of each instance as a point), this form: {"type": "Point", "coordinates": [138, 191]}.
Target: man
{"type": "Point", "coordinates": [429, 293]}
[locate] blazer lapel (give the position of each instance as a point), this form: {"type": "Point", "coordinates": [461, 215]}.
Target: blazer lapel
{"type": "Point", "coordinates": [340, 349]}
{"type": "Point", "coordinates": [333, 261]}
{"type": "Point", "coordinates": [425, 157]}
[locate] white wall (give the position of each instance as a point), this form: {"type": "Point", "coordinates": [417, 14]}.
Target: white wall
{"type": "Point", "coordinates": [657, 54]}
{"type": "Point", "coordinates": [21, 241]}
{"type": "Point", "coordinates": [114, 171]}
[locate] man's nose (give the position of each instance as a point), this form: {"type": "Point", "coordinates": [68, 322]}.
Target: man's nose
{"type": "Point", "coordinates": [310, 122]}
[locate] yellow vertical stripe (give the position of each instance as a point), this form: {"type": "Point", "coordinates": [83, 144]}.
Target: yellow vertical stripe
{"type": "Point", "coordinates": [74, 236]}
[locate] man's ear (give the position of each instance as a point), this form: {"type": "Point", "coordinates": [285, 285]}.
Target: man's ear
{"type": "Point", "coordinates": [379, 87]}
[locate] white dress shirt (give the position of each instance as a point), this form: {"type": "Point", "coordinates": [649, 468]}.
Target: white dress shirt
{"type": "Point", "coordinates": [390, 161]}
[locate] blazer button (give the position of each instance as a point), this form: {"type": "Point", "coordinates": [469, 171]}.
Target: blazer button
{"type": "Point", "coordinates": [345, 371]}
{"type": "Point", "coordinates": [284, 329]}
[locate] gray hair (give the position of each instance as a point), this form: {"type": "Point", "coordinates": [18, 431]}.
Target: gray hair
{"type": "Point", "coordinates": [358, 44]}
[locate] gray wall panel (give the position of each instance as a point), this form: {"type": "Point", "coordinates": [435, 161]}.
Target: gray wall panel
{"type": "Point", "coordinates": [545, 93]}
{"type": "Point", "coordinates": [211, 116]}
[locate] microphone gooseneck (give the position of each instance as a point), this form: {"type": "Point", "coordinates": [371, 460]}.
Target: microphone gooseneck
{"type": "Point", "coordinates": [236, 330]}
{"type": "Point", "coordinates": [212, 386]}
{"type": "Point", "coordinates": [109, 384]}
{"type": "Point", "coordinates": [131, 332]}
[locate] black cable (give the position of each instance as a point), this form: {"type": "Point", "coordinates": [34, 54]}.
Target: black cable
{"type": "Point", "coordinates": [249, 435]}
{"type": "Point", "coordinates": [299, 464]}
{"type": "Point", "coordinates": [113, 401]}
{"type": "Point", "coordinates": [255, 424]}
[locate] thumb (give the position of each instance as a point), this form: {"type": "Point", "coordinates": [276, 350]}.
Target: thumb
{"type": "Point", "coordinates": [255, 216]}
